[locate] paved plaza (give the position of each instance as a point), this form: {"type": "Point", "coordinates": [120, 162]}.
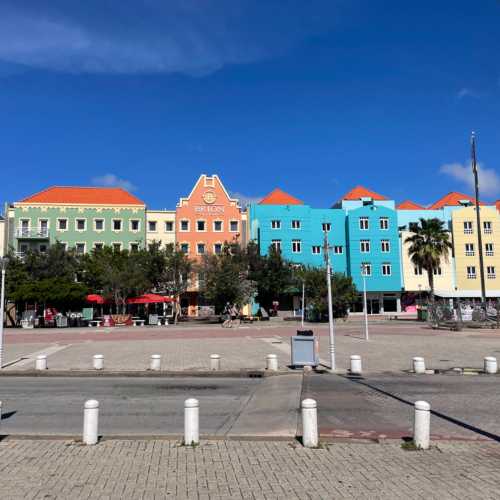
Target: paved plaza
{"type": "Point", "coordinates": [155, 469]}
{"type": "Point", "coordinates": [391, 347]}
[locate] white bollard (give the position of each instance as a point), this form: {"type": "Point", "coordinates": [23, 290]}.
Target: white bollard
{"type": "Point", "coordinates": [90, 421]}
{"type": "Point", "coordinates": [309, 423]}
{"type": "Point", "coordinates": [155, 363]}
{"type": "Point", "coordinates": [191, 422]}
{"type": "Point", "coordinates": [418, 365]}
{"type": "Point", "coordinates": [422, 425]}
{"type": "Point", "coordinates": [214, 362]}
{"type": "Point", "coordinates": [98, 361]}
{"type": "Point", "coordinates": [272, 362]}
{"type": "Point", "coordinates": [41, 362]}
{"type": "Point", "coordinates": [356, 364]}
{"type": "Point", "coordinates": [490, 365]}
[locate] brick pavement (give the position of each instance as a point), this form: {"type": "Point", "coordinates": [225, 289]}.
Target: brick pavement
{"type": "Point", "coordinates": [244, 469]}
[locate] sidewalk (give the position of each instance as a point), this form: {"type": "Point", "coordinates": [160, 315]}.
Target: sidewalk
{"type": "Point", "coordinates": [243, 469]}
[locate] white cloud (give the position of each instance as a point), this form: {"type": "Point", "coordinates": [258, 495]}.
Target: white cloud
{"type": "Point", "coordinates": [489, 179]}
{"type": "Point", "coordinates": [111, 180]}
{"type": "Point", "coordinates": [466, 92]}
{"type": "Point", "coordinates": [244, 199]}
{"type": "Point", "coordinates": [193, 37]}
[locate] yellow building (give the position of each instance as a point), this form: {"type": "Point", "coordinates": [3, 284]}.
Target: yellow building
{"type": "Point", "coordinates": [415, 279]}
{"type": "Point", "coordinates": [160, 227]}
{"type": "Point", "coordinates": [465, 245]}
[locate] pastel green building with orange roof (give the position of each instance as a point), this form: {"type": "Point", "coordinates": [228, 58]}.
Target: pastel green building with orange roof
{"type": "Point", "coordinates": [82, 218]}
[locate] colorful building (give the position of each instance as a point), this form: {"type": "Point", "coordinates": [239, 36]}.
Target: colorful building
{"type": "Point", "coordinates": [82, 218]}
{"type": "Point", "coordinates": [160, 227]}
{"type": "Point", "coordinates": [206, 219]}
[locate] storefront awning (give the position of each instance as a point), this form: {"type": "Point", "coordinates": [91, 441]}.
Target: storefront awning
{"type": "Point", "coordinates": [149, 298]}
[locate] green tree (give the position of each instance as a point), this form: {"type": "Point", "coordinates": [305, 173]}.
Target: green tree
{"type": "Point", "coordinates": [428, 245]}
{"type": "Point", "coordinates": [224, 278]}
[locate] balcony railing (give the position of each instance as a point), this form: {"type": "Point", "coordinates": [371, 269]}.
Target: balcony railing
{"type": "Point", "coordinates": [39, 233]}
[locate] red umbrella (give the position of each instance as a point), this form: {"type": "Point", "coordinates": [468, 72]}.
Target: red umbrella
{"type": "Point", "coordinates": [149, 298]}
{"type": "Point", "coordinates": [94, 298]}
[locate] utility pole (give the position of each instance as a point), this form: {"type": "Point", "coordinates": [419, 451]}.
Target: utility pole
{"type": "Point", "coordinates": [326, 256]}
{"type": "Point", "coordinates": [3, 264]}
{"type": "Point", "coordinates": [478, 219]}
{"type": "Point", "coordinates": [365, 307]}
{"type": "Point", "coordinates": [303, 300]}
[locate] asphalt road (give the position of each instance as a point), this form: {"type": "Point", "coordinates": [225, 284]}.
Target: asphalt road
{"type": "Point", "coordinates": [150, 406]}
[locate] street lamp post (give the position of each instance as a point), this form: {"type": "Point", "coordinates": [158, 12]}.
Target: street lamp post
{"type": "Point", "coordinates": [303, 301]}
{"type": "Point", "coordinates": [326, 255]}
{"type": "Point", "coordinates": [3, 263]}
{"type": "Point", "coordinates": [365, 306]}
{"type": "Point", "coordinates": [478, 219]}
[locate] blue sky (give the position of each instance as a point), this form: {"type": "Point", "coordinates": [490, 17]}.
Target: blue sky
{"type": "Point", "coordinates": [314, 97]}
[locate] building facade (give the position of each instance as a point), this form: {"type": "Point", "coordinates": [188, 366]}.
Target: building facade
{"type": "Point", "coordinates": [205, 220]}
{"type": "Point", "coordinates": [160, 227]}
{"type": "Point", "coordinates": [81, 218]}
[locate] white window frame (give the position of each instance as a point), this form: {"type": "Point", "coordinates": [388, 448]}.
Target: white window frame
{"type": "Point", "coordinates": [386, 266]}
{"type": "Point", "coordinates": [188, 226]}
{"type": "Point", "coordinates": [64, 244]}
{"type": "Point", "coordinates": [364, 243]}
{"type": "Point", "coordinates": [316, 249]}
{"type": "Point", "coordinates": [487, 227]}
{"type": "Point", "coordinates": [237, 226]}
{"type": "Point", "coordinates": [468, 227]}
{"type": "Point", "coordinates": [117, 243]}
{"type": "Point", "coordinates": [489, 249]}
{"type": "Point", "coordinates": [94, 222]}
{"type": "Point", "coordinates": [171, 222]}
{"type": "Point", "coordinates": [418, 270]}
{"type": "Point", "coordinates": [155, 222]}
{"type": "Point", "coordinates": [113, 225]}
{"type": "Point", "coordinates": [384, 221]}
{"type": "Point", "coordinates": [40, 245]}
{"type": "Point", "coordinates": [221, 246]}
{"type": "Point", "coordinates": [438, 271]}
{"type": "Point", "coordinates": [204, 248]}
{"type": "Point", "coordinates": [58, 228]}
{"type": "Point", "coordinates": [471, 272]}
{"type": "Point", "coordinates": [276, 244]}
{"type": "Point", "coordinates": [326, 226]}
{"type": "Point", "coordinates": [204, 230]}
{"type": "Point", "coordinates": [296, 246]}
{"type": "Point", "coordinates": [338, 249]}
{"type": "Point", "coordinates": [221, 226]}
{"type": "Point", "coordinates": [39, 222]}
{"type": "Point", "coordinates": [182, 244]}
{"type": "Point", "coordinates": [84, 247]}
{"type": "Point", "coordinates": [94, 246]}
{"type": "Point", "coordinates": [491, 272]}
{"type": "Point", "coordinates": [364, 221]}
{"type": "Point", "coordinates": [295, 224]}
{"type": "Point", "coordinates": [275, 224]}
{"type": "Point", "coordinates": [366, 266]}
{"type": "Point", "coordinates": [135, 243]}
{"type": "Point", "coordinates": [138, 225]}
{"type": "Point", "coordinates": [469, 250]}
{"type": "Point", "coordinates": [84, 224]}
{"type": "Point", "coordinates": [387, 244]}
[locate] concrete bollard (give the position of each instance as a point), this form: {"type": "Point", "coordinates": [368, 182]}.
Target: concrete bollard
{"type": "Point", "coordinates": [422, 425]}
{"type": "Point", "coordinates": [191, 421]}
{"type": "Point", "coordinates": [356, 364]}
{"type": "Point", "coordinates": [155, 363]}
{"type": "Point", "coordinates": [490, 365]}
{"type": "Point", "coordinates": [41, 362]}
{"type": "Point", "coordinates": [98, 361]}
{"type": "Point", "coordinates": [214, 362]}
{"type": "Point", "coordinates": [309, 423]}
{"type": "Point", "coordinates": [90, 421]}
{"type": "Point", "coordinates": [272, 362]}
{"type": "Point", "coordinates": [418, 365]}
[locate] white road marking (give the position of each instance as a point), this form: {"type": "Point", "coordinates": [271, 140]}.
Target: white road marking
{"type": "Point", "coordinates": [29, 358]}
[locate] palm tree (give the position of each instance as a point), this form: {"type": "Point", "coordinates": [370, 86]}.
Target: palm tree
{"type": "Point", "coordinates": [428, 245]}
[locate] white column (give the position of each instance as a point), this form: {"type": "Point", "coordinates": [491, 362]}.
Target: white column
{"type": "Point", "coordinates": [41, 362]}
{"type": "Point", "coordinates": [490, 365]}
{"type": "Point", "coordinates": [155, 363]}
{"type": "Point", "coordinates": [191, 421]}
{"type": "Point", "coordinates": [272, 362]}
{"type": "Point", "coordinates": [90, 421]}
{"type": "Point", "coordinates": [418, 365]}
{"type": "Point", "coordinates": [98, 361]}
{"type": "Point", "coordinates": [356, 364]}
{"type": "Point", "coordinates": [214, 362]}
{"type": "Point", "coordinates": [422, 424]}
{"type": "Point", "coordinates": [309, 423]}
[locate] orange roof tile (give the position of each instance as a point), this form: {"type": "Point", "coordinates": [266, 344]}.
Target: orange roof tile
{"type": "Point", "coordinates": [452, 200]}
{"type": "Point", "coordinates": [361, 192]}
{"type": "Point", "coordinates": [497, 203]}
{"type": "Point", "coordinates": [409, 205]}
{"type": "Point", "coordinates": [279, 197]}
{"type": "Point", "coordinates": [84, 196]}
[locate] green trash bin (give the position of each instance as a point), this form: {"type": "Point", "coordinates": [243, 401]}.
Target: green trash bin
{"type": "Point", "coordinates": [422, 314]}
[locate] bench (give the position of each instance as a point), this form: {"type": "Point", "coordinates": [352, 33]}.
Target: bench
{"type": "Point", "coordinates": [138, 322]}
{"type": "Point", "coordinates": [95, 322]}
